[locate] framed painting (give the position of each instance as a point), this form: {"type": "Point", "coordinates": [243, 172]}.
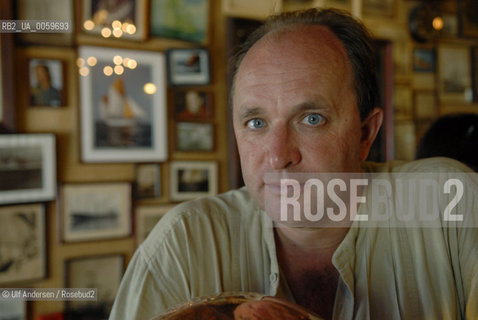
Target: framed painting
{"type": "Point", "coordinates": [125, 19]}
{"type": "Point", "coordinates": [92, 211]}
{"type": "Point", "coordinates": [147, 182]}
{"type": "Point", "coordinates": [27, 168]}
{"type": "Point", "coordinates": [379, 7]}
{"type": "Point", "coordinates": [103, 272]}
{"type": "Point", "coordinates": [53, 10]}
{"type": "Point", "coordinates": [193, 179]}
{"type": "Point", "coordinates": [423, 60]}
{"type": "Point", "coordinates": [186, 20]}
{"type": "Point", "coordinates": [195, 136]}
{"type": "Point", "coordinates": [146, 219]}
{"type": "Point", "coordinates": [192, 104]}
{"type": "Point", "coordinates": [468, 18]}
{"type": "Point", "coordinates": [46, 79]}
{"type": "Point", "coordinates": [454, 79]}
{"type": "Point", "coordinates": [123, 105]}
{"type": "Point", "coordinates": [23, 242]}
{"type": "Point", "coordinates": [188, 67]}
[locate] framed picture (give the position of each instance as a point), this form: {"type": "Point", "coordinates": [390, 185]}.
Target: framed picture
{"type": "Point", "coordinates": [101, 272]}
{"type": "Point", "coordinates": [379, 7]}
{"type": "Point", "coordinates": [188, 67]}
{"type": "Point", "coordinates": [146, 219]}
{"type": "Point", "coordinates": [474, 56]}
{"type": "Point", "coordinates": [454, 79]}
{"type": "Point", "coordinates": [195, 136]}
{"type": "Point", "coordinates": [251, 8]}
{"type": "Point", "coordinates": [46, 82]}
{"type": "Point", "coordinates": [425, 105]}
{"type": "Point", "coordinates": [22, 239]}
{"type": "Point", "coordinates": [193, 104]}
{"type": "Point", "coordinates": [423, 60]}
{"type": "Point", "coordinates": [57, 10]}
{"type": "Point", "coordinates": [15, 309]}
{"type": "Point", "coordinates": [180, 19]}
{"type": "Point", "coordinates": [192, 179]}
{"type": "Point", "coordinates": [27, 168]}
{"type": "Point", "coordinates": [125, 19]}
{"type": "Point", "coordinates": [147, 181]}
{"type": "Point", "coordinates": [92, 211]}
{"type": "Point", "coordinates": [7, 105]}
{"type": "Point", "coordinates": [123, 105]}
{"type": "Point", "coordinates": [469, 18]}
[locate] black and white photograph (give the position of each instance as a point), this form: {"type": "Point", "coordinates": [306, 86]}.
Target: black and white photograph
{"type": "Point", "coordinates": [188, 67]}
{"type": "Point", "coordinates": [195, 136]}
{"type": "Point", "coordinates": [101, 272]}
{"type": "Point", "coordinates": [14, 309]}
{"type": "Point", "coordinates": [27, 168]}
{"type": "Point", "coordinates": [193, 179]}
{"type": "Point", "coordinates": [46, 83]}
{"type": "Point", "coordinates": [22, 243]}
{"type": "Point", "coordinates": [123, 105]}
{"type": "Point", "coordinates": [92, 211]}
{"type": "Point", "coordinates": [147, 184]}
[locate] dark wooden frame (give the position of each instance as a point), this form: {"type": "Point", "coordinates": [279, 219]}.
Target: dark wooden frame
{"type": "Point", "coordinates": [7, 101]}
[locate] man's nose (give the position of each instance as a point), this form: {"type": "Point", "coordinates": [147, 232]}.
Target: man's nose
{"type": "Point", "coordinates": [282, 149]}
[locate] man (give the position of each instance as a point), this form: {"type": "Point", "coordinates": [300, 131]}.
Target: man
{"type": "Point", "coordinates": [304, 100]}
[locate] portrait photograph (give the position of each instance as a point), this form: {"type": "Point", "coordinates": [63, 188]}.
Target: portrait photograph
{"type": "Point", "coordinates": [27, 168]}
{"type": "Point", "coordinates": [188, 67]}
{"type": "Point", "coordinates": [193, 104]}
{"type": "Point", "coordinates": [103, 272]}
{"type": "Point", "coordinates": [186, 20]}
{"type": "Point", "coordinates": [193, 179]}
{"type": "Point", "coordinates": [46, 82]}
{"type": "Point", "coordinates": [92, 211]}
{"type": "Point", "coordinates": [22, 243]}
{"type": "Point", "coordinates": [129, 15]}
{"type": "Point", "coordinates": [195, 136]}
{"type": "Point", "coordinates": [123, 105]}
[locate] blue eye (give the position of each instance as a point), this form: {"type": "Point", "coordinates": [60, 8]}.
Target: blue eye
{"type": "Point", "coordinates": [256, 123]}
{"type": "Point", "coordinates": [313, 119]}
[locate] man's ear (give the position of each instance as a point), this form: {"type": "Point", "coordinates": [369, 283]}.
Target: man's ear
{"type": "Point", "coordinates": [370, 127]}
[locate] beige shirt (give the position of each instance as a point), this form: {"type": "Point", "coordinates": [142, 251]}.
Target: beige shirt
{"type": "Point", "coordinates": [226, 243]}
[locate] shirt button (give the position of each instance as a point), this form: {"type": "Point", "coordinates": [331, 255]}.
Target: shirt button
{"type": "Point", "coordinates": [273, 277]}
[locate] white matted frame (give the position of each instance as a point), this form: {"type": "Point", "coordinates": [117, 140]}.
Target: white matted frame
{"type": "Point", "coordinates": [92, 211]}
{"type": "Point", "coordinates": [23, 243]}
{"type": "Point", "coordinates": [27, 168]}
{"type": "Point", "coordinates": [123, 115]}
{"type": "Point", "coordinates": [146, 219]}
{"type": "Point", "coordinates": [193, 179]}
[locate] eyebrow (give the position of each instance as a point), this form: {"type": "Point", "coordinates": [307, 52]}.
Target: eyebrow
{"type": "Point", "coordinates": [251, 112]}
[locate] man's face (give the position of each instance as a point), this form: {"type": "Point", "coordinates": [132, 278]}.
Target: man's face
{"type": "Point", "coordinates": [294, 108]}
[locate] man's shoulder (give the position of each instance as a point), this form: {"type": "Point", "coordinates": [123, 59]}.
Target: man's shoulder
{"type": "Point", "coordinates": [430, 165]}
{"type": "Point", "coordinates": [192, 219]}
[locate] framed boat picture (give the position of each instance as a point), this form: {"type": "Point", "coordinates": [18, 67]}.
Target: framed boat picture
{"type": "Point", "coordinates": [123, 105]}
